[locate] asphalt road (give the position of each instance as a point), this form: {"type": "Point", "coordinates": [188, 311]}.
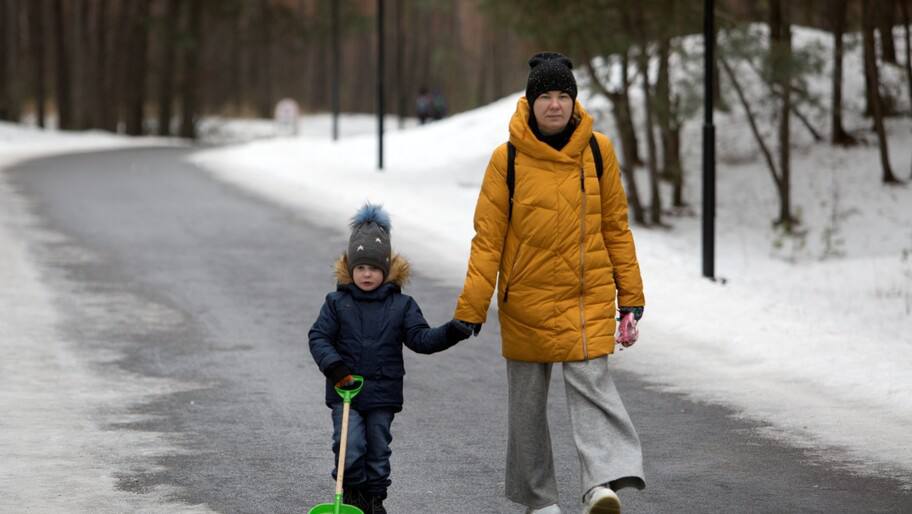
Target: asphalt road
{"type": "Point", "coordinates": [196, 282]}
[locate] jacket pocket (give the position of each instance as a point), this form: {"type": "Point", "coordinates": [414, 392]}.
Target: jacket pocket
{"type": "Point", "coordinates": [511, 277]}
{"type": "Point", "coordinates": [392, 370]}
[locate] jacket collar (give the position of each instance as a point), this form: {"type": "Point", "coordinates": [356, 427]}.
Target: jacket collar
{"type": "Point", "coordinates": [523, 138]}
{"type": "Point", "coordinates": [399, 275]}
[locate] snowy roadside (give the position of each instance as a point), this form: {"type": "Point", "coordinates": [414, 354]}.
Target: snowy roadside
{"type": "Point", "coordinates": [56, 402]}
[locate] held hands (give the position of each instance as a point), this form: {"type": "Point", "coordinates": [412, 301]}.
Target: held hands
{"type": "Point", "coordinates": [458, 330]}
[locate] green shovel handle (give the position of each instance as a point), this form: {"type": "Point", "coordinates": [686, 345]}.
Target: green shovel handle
{"type": "Point", "coordinates": [348, 394]}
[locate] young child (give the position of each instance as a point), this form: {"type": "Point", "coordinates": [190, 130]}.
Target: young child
{"type": "Point", "coordinates": [360, 330]}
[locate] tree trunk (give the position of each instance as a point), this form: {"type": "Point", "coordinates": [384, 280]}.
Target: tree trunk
{"type": "Point", "coordinates": [264, 98]}
{"type": "Point", "coordinates": [5, 53]}
{"type": "Point", "coordinates": [624, 12]}
{"type": "Point", "coordinates": [719, 102]}
{"type": "Point", "coordinates": [62, 91]}
{"type": "Point", "coordinates": [166, 83]}
{"type": "Point", "coordinates": [9, 38]}
{"type": "Point", "coordinates": [627, 169]}
{"type": "Point", "coordinates": [838, 135]}
{"type": "Point", "coordinates": [136, 69]}
{"type": "Point", "coordinates": [37, 35]}
{"type": "Point", "coordinates": [628, 130]}
{"type": "Point", "coordinates": [320, 64]}
{"type": "Point", "coordinates": [886, 16]}
{"type": "Point", "coordinates": [14, 43]}
{"type": "Point", "coordinates": [781, 50]}
{"type": "Point", "coordinates": [752, 122]}
{"type": "Point", "coordinates": [104, 110]}
{"type": "Point", "coordinates": [908, 63]}
{"type": "Point", "coordinates": [485, 61]}
{"type": "Point", "coordinates": [237, 62]}
{"type": "Point", "coordinates": [80, 55]}
{"type": "Point", "coordinates": [655, 207]}
{"type": "Point", "coordinates": [873, 83]}
{"type": "Point", "coordinates": [662, 103]}
{"type": "Point", "coordinates": [670, 128]}
{"type": "Point", "coordinates": [119, 66]}
{"type": "Point", "coordinates": [190, 72]}
{"type": "Point", "coordinates": [401, 90]}
{"type": "Point", "coordinates": [905, 22]}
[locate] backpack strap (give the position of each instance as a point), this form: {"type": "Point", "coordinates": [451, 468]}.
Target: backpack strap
{"type": "Point", "coordinates": [511, 177]}
{"type": "Point", "coordinates": [596, 156]}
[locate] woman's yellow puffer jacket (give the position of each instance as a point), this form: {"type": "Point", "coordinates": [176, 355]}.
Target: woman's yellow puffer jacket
{"type": "Point", "coordinates": [565, 255]}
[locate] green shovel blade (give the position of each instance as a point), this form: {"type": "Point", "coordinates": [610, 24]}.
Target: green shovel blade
{"type": "Point", "coordinates": [336, 507]}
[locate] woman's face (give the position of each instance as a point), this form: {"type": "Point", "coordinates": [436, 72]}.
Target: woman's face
{"type": "Point", "coordinates": [552, 111]}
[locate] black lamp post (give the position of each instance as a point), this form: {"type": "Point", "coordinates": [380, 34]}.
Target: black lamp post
{"type": "Point", "coordinates": [380, 85]}
{"type": "Point", "coordinates": [709, 145]}
{"type": "Point", "coordinates": [334, 7]}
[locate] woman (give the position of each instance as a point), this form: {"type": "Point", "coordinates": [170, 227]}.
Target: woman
{"type": "Point", "coordinates": [562, 255]}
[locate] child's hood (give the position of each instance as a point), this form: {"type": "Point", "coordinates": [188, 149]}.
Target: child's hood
{"type": "Point", "coordinates": [400, 271]}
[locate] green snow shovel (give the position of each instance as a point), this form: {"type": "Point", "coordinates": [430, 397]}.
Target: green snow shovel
{"type": "Point", "coordinates": [337, 507]}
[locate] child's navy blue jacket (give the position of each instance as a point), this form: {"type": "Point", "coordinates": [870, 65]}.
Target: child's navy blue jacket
{"type": "Point", "coordinates": [366, 331]}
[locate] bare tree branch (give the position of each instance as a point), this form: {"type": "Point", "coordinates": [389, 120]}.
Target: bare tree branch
{"type": "Point", "coordinates": [751, 120]}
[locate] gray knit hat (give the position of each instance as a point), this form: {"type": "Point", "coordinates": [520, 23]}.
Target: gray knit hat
{"type": "Point", "coordinates": [370, 241]}
{"type": "Point", "coordinates": [550, 71]}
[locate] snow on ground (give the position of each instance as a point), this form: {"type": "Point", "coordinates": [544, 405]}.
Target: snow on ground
{"type": "Point", "coordinates": [220, 130]}
{"type": "Point", "coordinates": [58, 456]}
{"type": "Point", "coordinates": [810, 333]}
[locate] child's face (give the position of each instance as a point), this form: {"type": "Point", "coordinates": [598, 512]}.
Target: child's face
{"type": "Point", "coordinates": [367, 277]}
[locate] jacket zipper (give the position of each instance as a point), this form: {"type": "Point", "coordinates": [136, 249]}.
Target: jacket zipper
{"type": "Point", "coordinates": [582, 250]}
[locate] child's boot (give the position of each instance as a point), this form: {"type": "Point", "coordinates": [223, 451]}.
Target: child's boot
{"type": "Point", "coordinates": [355, 497]}
{"type": "Point", "coordinates": [375, 505]}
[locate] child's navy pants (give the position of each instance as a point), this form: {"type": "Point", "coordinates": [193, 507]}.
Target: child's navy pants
{"type": "Point", "coordinates": [367, 458]}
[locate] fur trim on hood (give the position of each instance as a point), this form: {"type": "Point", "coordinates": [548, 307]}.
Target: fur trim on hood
{"type": "Point", "coordinates": [400, 271]}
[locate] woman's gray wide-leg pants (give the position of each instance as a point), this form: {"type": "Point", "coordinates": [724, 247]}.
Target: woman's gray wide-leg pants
{"type": "Point", "coordinates": [607, 443]}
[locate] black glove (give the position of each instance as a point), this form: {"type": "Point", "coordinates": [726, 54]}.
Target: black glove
{"type": "Point", "coordinates": [458, 330]}
{"type": "Point", "coordinates": [336, 372]}
{"type": "Point", "coordinates": [637, 312]}
{"type": "Point", "coordinates": [474, 328]}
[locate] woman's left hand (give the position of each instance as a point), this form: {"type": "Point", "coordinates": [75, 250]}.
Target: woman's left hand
{"type": "Point", "coordinates": [627, 330]}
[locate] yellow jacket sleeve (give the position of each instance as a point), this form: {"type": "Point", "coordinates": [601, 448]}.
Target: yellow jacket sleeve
{"type": "Point", "coordinates": [490, 230]}
{"type": "Point", "coordinates": [616, 231]}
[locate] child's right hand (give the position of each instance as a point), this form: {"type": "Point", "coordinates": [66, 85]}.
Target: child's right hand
{"type": "Point", "coordinates": [338, 373]}
{"type": "Point", "coordinates": [346, 381]}
{"type": "Point", "coordinates": [458, 330]}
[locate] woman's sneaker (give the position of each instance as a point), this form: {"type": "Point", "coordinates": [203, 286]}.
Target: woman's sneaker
{"type": "Point", "coordinates": [602, 500]}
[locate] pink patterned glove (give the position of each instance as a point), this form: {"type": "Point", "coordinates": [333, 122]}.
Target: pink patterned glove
{"type": "Point", "coordinates": [627, 330]}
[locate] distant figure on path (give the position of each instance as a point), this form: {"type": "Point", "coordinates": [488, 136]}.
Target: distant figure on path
{"type": "Point", "coordinates": [424, 106]}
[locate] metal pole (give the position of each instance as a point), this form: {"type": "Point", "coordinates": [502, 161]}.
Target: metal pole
{"type": "Point", "coordinates": [380, 85]}
{"type": "Point", "coordinates": [709, 145]}
{"type": "Point", "coordinates": [334, 7]}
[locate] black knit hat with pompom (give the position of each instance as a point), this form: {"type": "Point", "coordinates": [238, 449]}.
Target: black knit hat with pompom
{"type": "Point", "coordinates": [550, 71]}
{"type": "Point", "coordinates": [369, 242]}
